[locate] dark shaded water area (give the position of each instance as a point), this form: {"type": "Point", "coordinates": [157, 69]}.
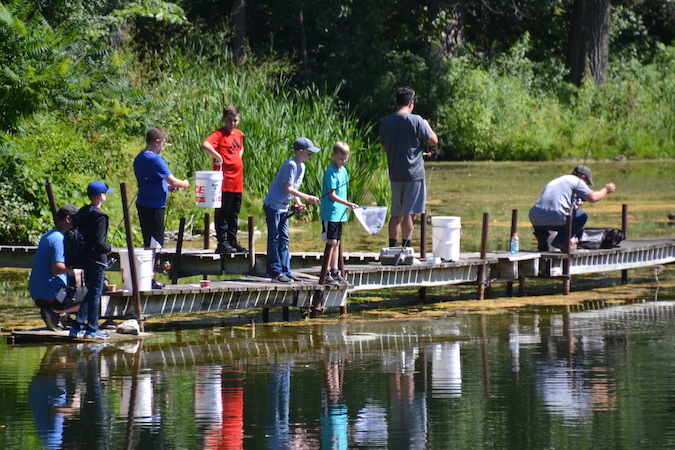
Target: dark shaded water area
{"type": "Point", "coordinates": [592, 376]}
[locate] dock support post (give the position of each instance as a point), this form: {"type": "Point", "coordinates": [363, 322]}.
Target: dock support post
{"type": "Point", "coordinates": [138, 308]}
{"type": "Point", "coordinates": [514, 229]}
{"type": "Point", "coordinates": [483, 256]}
{"type": "Point", "coordinates": [285, 315]}
{"type": "Point", "coordinates": [624, 228]}
{"type": "Point", "coordinates": [422, 292]}
{"type": "Point", "coordinates": [251, 245]}
{"type": "Point", "coordinates": [175, 267]}
{"type": "Point", "coordinates": [567, 278]}
{"type": "Point", "coordinates": [265, 315]}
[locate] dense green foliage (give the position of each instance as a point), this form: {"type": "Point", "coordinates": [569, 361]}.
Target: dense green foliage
{"type": "Point", "coordinates": [80, 82]}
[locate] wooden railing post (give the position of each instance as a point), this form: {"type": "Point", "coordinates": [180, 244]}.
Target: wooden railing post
{"type": "Point", "coordinates": [251, 245]}
{"type": "Point", "coordinates": [567, 278]}
{"type": "Point", "coordinates": [175, 267]}
{"type": "Point", "coordinates": [52, 201]}
{"type": "Point", "coordinates": [514, 229]}
{"type": "Point", "coordinates": [138, 308]}
{"type": "Point", "coordinates": [624, 228]}
{"type": "Point", "coordinates": [483, 256]}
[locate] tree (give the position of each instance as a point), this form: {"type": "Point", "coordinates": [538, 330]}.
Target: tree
{"type": "Point", "coordinates": [588, 40]}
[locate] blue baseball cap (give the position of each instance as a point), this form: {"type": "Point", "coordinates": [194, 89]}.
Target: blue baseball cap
{"type": "Point", "coordinates": [97, 188]}
{"type": "Point", "coordinates": [305, 144]}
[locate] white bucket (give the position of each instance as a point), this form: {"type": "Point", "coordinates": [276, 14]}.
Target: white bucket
{"type": "Point", "coordinates": [446, 231]}
{"type": "Point", "coordinates": [208, 188]}
{"type": "Point", "coordinates": [144, 260]}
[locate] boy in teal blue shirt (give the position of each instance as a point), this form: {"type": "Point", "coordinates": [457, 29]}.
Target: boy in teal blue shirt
{"type": "Point", "coordinates": [334, 208]}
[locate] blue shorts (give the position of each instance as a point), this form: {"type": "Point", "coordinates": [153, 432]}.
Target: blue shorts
{"type": "Point", "coordinates": [408, 197]}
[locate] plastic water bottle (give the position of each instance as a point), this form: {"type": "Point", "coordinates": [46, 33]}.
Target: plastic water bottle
{"type": "Point", "coordinates": [515, 243]}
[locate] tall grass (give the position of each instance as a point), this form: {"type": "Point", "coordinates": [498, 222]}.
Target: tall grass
{"type": "Point", "coordinates": [273, 115]}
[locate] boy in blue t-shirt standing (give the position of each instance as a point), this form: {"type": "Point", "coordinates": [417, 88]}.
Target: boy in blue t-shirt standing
{"type": "Point", "coordinates": [334, 208]}
{"type": "Point", "coordinates": [155, 181]}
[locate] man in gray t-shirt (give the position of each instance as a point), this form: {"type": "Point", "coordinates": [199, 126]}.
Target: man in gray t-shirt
{"type": "Point", "coordinates": [560, 197]}
{"type": "Point", "coordinates": [402, 136]}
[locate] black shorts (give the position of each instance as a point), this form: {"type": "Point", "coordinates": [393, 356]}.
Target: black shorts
{"type": "Point", "coordinates": [331, 230]}
{"type": "Point", "coordinates": [67, 296]}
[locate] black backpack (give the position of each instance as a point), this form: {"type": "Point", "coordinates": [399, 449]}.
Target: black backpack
{"type": "Point", "coordinates": [612, 238]}
{"type": "Point", "coordinates": [595, 238]}
{"type": "Point", "coordinates": [75, 249]}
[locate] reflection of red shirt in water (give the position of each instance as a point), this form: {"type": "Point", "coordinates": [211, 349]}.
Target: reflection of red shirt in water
{"type": "Point", "coordinates": [229, 146]}
{"type": "Point", "coordinates": [231, 433]}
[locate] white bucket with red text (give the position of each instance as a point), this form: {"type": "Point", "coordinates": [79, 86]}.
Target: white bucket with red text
{"type": "Point", "coordinates": [208, 188]}
{"type": "Point", "coordinates": [144, 259]}
{"type": "Point", "coordinates": [446, 231]}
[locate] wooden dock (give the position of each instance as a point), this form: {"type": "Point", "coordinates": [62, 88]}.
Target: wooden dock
{"type": "Point", "coordinates": [256, 292]}
{"type": "Point", "coordinates": [363, 271]}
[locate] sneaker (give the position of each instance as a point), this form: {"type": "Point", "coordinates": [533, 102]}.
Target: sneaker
{"type": "Point", "coordinates": [50, 318]}
{"type": "Point", "coordinates": [238, 247]}
{"type": "Point", "coordinates": [158, 284]}
{"type": "Point", "coordinates": [65, 321]}
{"type": "Point", "coordinates": [76, 333]}
{"type": "Point", "coordinates": [281, 278]}
{"type": "Point", "coordinates": [330, 279]}
{"type": "Point", "coordinates": [97, 335]}
{"type": "Point", "coordinates": [225, 248]}
{"type": "Point", "coordinates": [293, 277]}
{"type": "Point", "coordinates": [338, 277]}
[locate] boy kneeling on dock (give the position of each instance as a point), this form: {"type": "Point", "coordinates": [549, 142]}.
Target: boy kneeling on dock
{"type": "Point", "coordinates": [56, 289]}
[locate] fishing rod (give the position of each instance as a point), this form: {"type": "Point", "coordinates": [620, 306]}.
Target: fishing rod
{"type": "Point", "coordinates": [295, 209]}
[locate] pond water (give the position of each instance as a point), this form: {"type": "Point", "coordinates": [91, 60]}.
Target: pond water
{"type": "Point", "coordinates": [557, 377]}
{"type": "Point", "coordinates": [565, 377]}
{"type": "Point", "coordinates": [469, 189]}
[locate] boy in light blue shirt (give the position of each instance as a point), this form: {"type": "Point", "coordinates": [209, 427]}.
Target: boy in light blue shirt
{"type": "Point", "coordinates": [334, 206]}
{"type": "Point", "coordinates": [284, 189]}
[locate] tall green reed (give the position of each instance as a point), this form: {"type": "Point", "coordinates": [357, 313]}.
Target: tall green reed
{"type": "Point", "coordinates": [273, 115]}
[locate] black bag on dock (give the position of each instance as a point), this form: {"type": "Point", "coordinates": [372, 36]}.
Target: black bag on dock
{"type": "Point", "coordinates": [595, 238]}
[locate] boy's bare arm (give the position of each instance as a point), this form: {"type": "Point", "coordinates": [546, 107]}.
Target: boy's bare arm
{"type": "Point", "coordinates": [311, 199]}
{"type": "Point", "coordinates": [175, 184]}
{"type": "Point", "coordinates": [333, 196]}
{"type": "Point", "coordinates": [209, 150]}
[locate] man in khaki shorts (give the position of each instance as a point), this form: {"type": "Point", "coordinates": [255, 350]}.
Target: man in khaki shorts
{"type": "Point", "coordinates": [402, 136]}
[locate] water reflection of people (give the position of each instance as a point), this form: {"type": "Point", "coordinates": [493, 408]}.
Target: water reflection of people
{"type": "Point", "coordinates": [53, 397]}
{"type": "Point", "coordinates": [67, 388]}
{"type": "Point", "coordinates": [334, 410]}
{"type": "Point", "coordinates": [408, 424]}
{"type": "Point", "coordinates": [225, 390]}
{"type": "Point", "coordinates": [278, 406]}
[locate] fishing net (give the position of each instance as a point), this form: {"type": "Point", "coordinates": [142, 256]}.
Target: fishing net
{"type": "Point", "coordinates": [371, 217]}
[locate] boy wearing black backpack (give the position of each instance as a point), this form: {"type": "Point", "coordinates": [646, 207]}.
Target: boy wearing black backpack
{"type": "Point", "coordinates": [54, 287]}
{"type": "Point", "coordinates": [93, 223]}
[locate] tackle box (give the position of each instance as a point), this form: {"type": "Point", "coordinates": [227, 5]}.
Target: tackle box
{"type": "Point", "coordinates": [397, 256]}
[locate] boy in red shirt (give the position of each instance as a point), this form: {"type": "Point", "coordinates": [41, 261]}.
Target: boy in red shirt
{"type": "Point", "coordinates": [226, 146]}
